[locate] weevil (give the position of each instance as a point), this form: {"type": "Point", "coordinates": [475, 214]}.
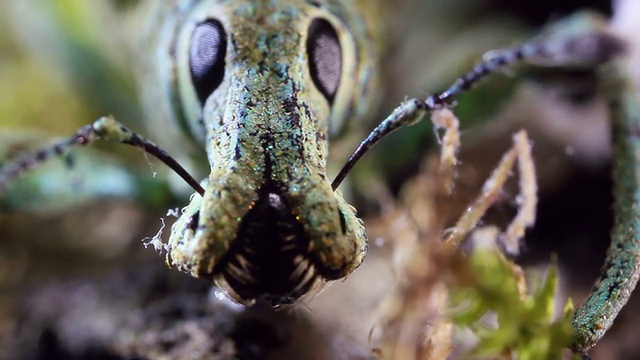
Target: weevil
{"type": "Point", "coordinates": [259, 85]}
{"type": "Point", "coordinates": [263, 99]}
{"type": "Point", "coordinates": [262, 85]}
{"type": "Point", "coordinates": [263, 102]}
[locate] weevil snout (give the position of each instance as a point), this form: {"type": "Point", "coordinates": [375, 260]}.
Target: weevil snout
{"type": "Point", "coordinates": [260, 85]}
{"type": "Point", "coordinates": [271, 255]}
{"type": "Point", "coordinates": [285, 243]}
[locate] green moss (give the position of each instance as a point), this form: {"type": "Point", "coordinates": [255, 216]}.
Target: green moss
{"type": "Point", "coordinates": [527, 326]}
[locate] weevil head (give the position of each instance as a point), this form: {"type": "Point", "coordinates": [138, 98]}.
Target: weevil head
{"type": "Point", "coordinates": [262, 85]}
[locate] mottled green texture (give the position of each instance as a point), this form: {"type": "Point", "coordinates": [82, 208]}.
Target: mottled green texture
{"type": "Point", "coordinates": [621, 269]}
{"type": "Point", "coordinates": [265, 127]}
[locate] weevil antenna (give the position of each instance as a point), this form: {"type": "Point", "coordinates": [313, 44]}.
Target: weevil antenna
{"type": "Point", "coordinates": [105, 128]}
{"type": "Point", "coordinates": [412, 111]}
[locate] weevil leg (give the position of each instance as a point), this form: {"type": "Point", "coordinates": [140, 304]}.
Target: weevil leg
{"type": "Point", "coordinates": [621, 269]}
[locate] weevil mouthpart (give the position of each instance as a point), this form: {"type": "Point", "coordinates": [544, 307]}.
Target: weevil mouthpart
{"type": "Point", "coordinates": [269, 258]}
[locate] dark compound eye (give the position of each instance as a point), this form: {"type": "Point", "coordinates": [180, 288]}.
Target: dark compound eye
{"type": "Point", "coordinates": [206, 57]}
{"type": "Point", "coordinates": [325, 57]}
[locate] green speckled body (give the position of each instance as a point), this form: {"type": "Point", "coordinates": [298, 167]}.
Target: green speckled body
{"type": "Point", "coordinates": [265, 129]}
{"type": "Point", "coordinates": [622, 266]}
